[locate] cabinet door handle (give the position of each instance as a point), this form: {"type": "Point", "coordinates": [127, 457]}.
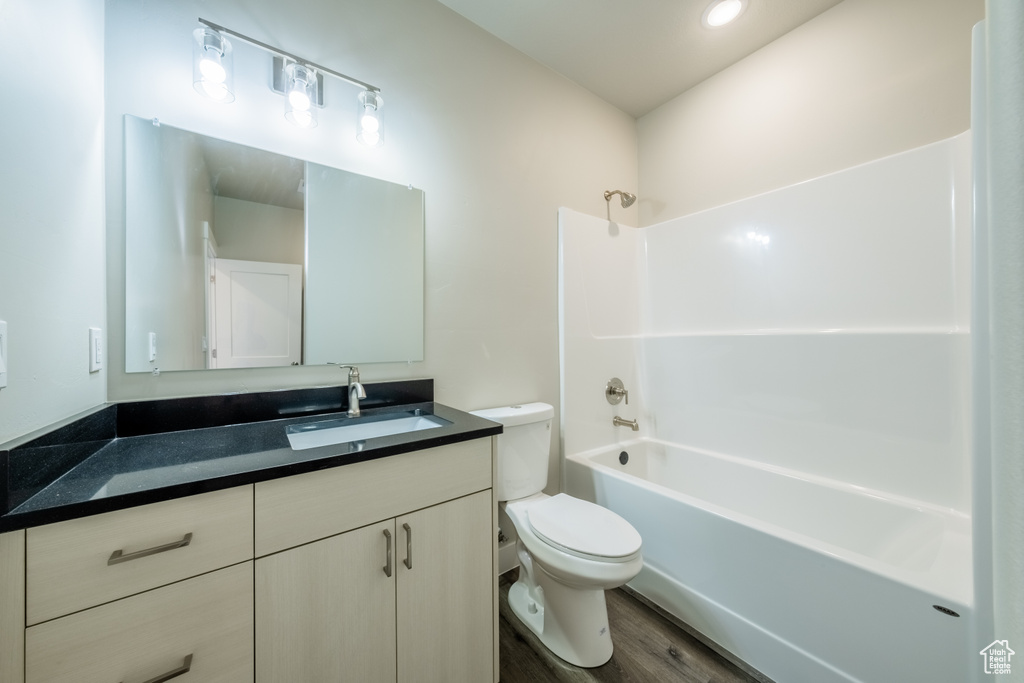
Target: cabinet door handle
{"type": "Point", "coordinates": [408, 546]}
{"type": "Point", "coordinates": [118, 556]}
{"type": "Point", "coordinates": [181, 670]}
{"type": "Point", "coordinates": [387, 567]}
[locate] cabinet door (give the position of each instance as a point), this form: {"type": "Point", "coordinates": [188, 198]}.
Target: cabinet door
{"type": "Point", "coordinates": [326, 611]}
{"type": "Point", "coordinates": [445, 600]}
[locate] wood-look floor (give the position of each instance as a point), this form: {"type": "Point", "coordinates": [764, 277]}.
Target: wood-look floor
{"type": "Point", "coordinates": [648, 648]}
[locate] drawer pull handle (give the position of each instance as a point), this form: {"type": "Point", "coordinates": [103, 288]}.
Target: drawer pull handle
{"type": "Point", "coordinates": [181, 670]}
{"type": "Point", "coordinates": [408, 546]}
{"type": "Point", "coordinates": [118, 556]}
{"type": "Point", "coordinates": [387, 567]}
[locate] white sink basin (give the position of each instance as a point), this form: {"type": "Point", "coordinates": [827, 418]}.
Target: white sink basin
{"type": "Point", "coordinates": [346, 430]}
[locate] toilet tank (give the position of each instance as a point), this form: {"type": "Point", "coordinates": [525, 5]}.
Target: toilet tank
{"type": "Point", "coordinates": [523, 448]}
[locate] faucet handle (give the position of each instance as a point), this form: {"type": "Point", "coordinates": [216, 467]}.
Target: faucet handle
{"type": "Point", "coordinates": [353, 371]}
{"type": "Point", "coordinates": [615, 391]}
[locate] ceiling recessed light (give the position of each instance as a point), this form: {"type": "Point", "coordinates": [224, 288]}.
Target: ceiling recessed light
{"type": "Point", "coordinates": [721, 12]}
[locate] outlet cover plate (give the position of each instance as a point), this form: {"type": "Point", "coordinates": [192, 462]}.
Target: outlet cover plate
{"type": "Point", "coordinates": [95, 349]}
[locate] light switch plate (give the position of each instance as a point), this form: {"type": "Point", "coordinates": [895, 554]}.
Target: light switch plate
{"type": "Point", "coordinates": [95, 349]}
{"type": "Point", "coordinates": [3, 354]}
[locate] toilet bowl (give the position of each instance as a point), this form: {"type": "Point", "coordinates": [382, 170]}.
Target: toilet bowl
{"type": "Point", "coordinates": [570, 550]}
{"type": "Point", "coordinates": [562, 578]}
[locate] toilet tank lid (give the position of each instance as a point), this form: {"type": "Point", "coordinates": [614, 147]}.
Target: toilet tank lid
{"type": "Point", "coordinates": [511, 416]}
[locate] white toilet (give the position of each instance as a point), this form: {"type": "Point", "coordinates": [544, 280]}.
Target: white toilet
{"type": "Point", "coordinates": [570, 550]}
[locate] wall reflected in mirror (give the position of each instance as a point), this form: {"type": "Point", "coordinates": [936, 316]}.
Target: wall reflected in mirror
{"type": "Point", "coordinates": [239, 257]}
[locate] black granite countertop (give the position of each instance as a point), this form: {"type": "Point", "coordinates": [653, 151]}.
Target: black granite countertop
{"type": "Point", "coordinates": [127, 454]}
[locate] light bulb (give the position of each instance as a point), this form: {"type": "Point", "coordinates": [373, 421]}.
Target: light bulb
{"type": "Point", "coordinates": [299, 100]}
{"type": "Point", "coordinates": [211, 69]}
{"type": "Point", "coordinates": [370, 123]}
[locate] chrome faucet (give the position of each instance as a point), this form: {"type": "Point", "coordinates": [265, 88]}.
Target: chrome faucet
{"type": "Point", "coordinates": [355, 390]}
{"type": "Point", "coordinates": [619, 422]}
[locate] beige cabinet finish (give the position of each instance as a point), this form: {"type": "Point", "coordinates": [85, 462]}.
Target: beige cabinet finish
{"type": "Point", "coordinates": [12, 607]}
{"type": "Point", "coordinates": [330, 597]}
{"type": "Point", "coordinates": [445, 599]}
{"type": "Point", "coordinates": [68, 566]}
{"type": "Point", "coordinates": [300, 509]}
{"type": "Point", "coordinates": [150, 634]}
{"type": "Point", "coordinates": [326, 611]}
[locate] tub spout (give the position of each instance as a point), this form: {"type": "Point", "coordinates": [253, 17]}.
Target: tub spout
{"type": "Point", "coordinates": [619, 422]}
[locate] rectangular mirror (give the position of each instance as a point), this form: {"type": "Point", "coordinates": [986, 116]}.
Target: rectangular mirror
{"type": "Point", "coordinates": [239, 257]}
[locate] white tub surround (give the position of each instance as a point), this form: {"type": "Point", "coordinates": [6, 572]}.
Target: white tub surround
{"type": "Point", "coordinates": [818, 334]}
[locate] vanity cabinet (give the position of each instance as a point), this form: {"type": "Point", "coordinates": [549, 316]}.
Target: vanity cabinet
{"type": "Point", "coordinates": [382, 570]}
{"type": "Point", "coordinates": [409, 597]}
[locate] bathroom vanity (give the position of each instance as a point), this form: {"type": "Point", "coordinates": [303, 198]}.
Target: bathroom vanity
{"type": "Point", "coordinates": [219, 550]}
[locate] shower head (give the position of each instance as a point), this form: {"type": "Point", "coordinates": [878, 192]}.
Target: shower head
{"type": "Point", "coordinates": [627, 197]}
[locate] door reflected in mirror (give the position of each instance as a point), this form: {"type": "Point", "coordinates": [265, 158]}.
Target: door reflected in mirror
{"type": "Point", "coordinates": [239, 257]}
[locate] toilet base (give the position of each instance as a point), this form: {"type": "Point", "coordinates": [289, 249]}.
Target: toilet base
{"type": "Point", "coordinates": [571, 622]}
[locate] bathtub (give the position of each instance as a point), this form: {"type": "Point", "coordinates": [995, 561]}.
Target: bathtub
{"type": "Point", "coordinates": [805, 579]}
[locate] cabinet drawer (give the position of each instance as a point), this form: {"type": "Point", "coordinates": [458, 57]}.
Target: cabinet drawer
{"type": "Point", "coordinates": [307, 507]}
{"type": "Point", "coordinates": [139, 638]}
{"type": "Point", "coordinates": [71, 565]}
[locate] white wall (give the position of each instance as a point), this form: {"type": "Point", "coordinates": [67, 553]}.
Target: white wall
{"type": "Point", "coordinates": [863, 80]}
{"type": "Point", "coordinates": [249, 231]}
{"type": "Point", "coordinates": [51, 198]}
{"type": "Point", "coordinates": [496, 141]}
{"type": "Point", "coordinates": [821, 328]}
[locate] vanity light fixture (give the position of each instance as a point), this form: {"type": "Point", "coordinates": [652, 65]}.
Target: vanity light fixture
{"type": "Point", "coordinates": [212, 74]}
{"type": "Point", "coordinates": [721, 12]}
{"type": "Point", "coordinates": [298, 79]}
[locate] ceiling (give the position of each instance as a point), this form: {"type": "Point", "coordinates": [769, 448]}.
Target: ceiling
{"type": "Point", "coordinates": [253, 175]}
{"type": "Point", "coordinates": [639, 54]}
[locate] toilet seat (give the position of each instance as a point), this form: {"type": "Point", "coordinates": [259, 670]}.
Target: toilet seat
{"type": "Point", "coordinates": [583, 529]}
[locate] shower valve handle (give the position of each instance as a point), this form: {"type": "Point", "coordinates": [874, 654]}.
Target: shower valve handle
{"type": "Point", "coordinates": [616, 391]}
